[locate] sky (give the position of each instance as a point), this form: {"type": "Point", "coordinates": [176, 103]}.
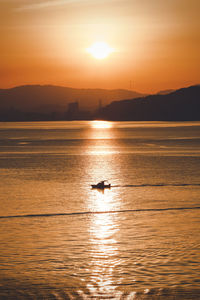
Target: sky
{"type": "Point", "coordinates": [154, 44]}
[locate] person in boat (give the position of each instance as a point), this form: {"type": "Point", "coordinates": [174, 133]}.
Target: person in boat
{"type": "Point", "coordinates": [101, 185]}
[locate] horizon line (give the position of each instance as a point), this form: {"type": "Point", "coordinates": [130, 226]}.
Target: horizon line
{"type": "Point", "coordinates": [97, 88]}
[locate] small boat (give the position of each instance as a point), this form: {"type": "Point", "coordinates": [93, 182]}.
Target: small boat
{"type": "Point", "coordinates": [101, 185]}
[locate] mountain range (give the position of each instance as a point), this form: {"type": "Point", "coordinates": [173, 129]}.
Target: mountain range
{"type": "Point", "coordinates": [34, 103]}
{"type": "Point", "coordinates": [179, 105]}
{"type": "Point", "coordinates": [48, 98]}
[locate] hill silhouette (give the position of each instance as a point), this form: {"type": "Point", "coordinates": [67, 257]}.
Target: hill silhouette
{"type": "Point", "coordinates": [48, 98]}
{"type": "Point", "coordinates": [180, 105]}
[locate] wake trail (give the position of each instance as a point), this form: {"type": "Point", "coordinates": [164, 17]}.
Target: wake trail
{"type": "Point", "coordinates": [100, 212]}
{"type": "Point", "coordinates": [157, 185]}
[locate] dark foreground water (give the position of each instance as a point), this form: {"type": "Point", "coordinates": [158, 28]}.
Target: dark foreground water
{"type": "Point", "coordinates": [59, 239]}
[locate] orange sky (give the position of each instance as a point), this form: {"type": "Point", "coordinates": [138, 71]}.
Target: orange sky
{"type": "Point", "coordinates": [156, 43]}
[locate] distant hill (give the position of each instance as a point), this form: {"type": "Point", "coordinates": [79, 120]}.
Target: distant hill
{"type": "Point", "coordinates": [47, 98]}
{"type": "Point", "coordinates": [183, 104]}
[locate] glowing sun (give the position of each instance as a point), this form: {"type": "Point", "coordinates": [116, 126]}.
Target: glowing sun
{"type": "Point", "coordinates": [100, 50]}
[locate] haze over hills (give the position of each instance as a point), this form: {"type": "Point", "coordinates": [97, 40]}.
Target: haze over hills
{"type": "Point", "coordinates": [165, 92]}
{"type": "Point", "coordinates": [48, 98]}
{"type": "Point", "coordinates": [180, 105]}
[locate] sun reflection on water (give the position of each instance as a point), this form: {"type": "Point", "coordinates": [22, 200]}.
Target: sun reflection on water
{"type": "Point", "coordinates": [102, 135]}
{"type": "Point", "coordinates": [104, 252]}
{"type": "Point", "coordinates": [101, 124]}
{"type": "Point", "coordinates": [104, 227]}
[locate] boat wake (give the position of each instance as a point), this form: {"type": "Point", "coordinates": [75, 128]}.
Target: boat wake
{"type": "Point", "coordinates": [158, 185]}
{"type": "Point", "coordinates": [100, 212]}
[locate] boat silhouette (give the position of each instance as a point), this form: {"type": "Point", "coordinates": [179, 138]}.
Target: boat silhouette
{"type": "Point", "coordinates": [101, 185]}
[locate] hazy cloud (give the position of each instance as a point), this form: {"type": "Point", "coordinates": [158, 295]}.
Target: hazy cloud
{"type": "Point", "coordinates": [44, 4]}
{"type": "Point", "coordinates": [47, 3]}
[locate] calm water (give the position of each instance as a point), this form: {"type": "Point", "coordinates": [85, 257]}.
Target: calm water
{"type": "Point", "coordinates": [59, 239]}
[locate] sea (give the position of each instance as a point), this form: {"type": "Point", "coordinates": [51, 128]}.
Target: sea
{"type": "Point", "coordinates": [61, 239]}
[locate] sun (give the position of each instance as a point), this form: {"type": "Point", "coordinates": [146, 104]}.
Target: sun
{"type": "Point", "coordinates": [100, 50]}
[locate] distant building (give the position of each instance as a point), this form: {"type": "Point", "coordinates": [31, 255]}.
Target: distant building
{"type": "Point", "coordinates": [73, 110]}
{"type": "Point", "coordinates": [100, 104]}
